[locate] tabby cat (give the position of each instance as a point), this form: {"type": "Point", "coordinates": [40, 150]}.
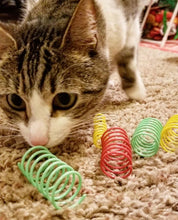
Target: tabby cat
{"type": "Point", "coordinates": [55, 64]}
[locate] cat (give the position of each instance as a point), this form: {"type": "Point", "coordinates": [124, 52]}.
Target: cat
{"type": "Point", "coordinates": [55, 64]}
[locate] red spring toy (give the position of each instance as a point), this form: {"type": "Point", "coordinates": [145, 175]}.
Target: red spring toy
{"type": "Point", "coordinates": [116, 157]}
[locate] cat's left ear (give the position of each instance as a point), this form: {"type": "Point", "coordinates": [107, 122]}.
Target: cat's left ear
{"type": "Point", "coordinates": [7, 41]}
{"type": "Point", "coordinates": [82, 29]}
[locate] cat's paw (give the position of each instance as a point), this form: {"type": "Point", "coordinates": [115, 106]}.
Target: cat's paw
{"type": "Point", "coordinates": [137, 92]}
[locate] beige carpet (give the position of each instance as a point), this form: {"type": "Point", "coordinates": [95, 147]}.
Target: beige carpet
{"type": "Point", "coordinates": [151, 192]}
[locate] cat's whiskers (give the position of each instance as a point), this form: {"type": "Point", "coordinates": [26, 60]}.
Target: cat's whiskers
{"type": "Point", "coordinates": [19, 143]}
{"type": "Point", "coordinates": [9, 133]}
{"type": "Point", "coordinates": [79, 126]}
{"type": "Point", "coordinates": [8, 128]}
{"type": "Point", "coordinates": [4, 134]}
{"type": "Point", "coordinates": [12, 139]}
{"type": "Point", "coordinates": [10, 136]}
{"type": "Point", "coordinates": [82, 124]}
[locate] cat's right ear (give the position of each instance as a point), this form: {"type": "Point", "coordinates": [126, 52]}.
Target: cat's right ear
{"type": "Point", "coordinates": [82, 29]}
{"type": "Point", "coordinates": [7, 41]}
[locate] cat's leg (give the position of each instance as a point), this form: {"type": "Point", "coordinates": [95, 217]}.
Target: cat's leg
{"type": "Point", "coordinates": [127, 63]}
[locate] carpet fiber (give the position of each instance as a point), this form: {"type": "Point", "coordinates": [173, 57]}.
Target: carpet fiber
{"type": "Point", "coordinates": [150, 192]}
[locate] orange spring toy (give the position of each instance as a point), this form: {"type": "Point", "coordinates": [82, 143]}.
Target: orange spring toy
{"type": "Point", "coordinates": [100, 127]}
{"type": "Point", "coordinates": [169, 135]}
{"type": "Point", "coordinates": [116, 157]}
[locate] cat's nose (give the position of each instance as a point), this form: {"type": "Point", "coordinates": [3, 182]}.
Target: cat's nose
{"type": "Point", "coordinates": [38, 133]}
{"type": "Point", "coordinates": [42, 141]}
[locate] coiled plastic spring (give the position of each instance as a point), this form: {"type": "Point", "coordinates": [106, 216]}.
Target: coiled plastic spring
{"type": "Point", "coordinates": [146, 138]}
{"type": "Point", "coordinates": [56, 180]}
{"type": "Point", "coordinates": [100, 127]}
{"type": "Point", "coordinates": [169, 135]}
{"type": "Point", "coordinates": [116, 157]}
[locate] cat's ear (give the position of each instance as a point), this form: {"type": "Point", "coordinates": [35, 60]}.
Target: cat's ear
{"type": "Point", "coordinates": [82, 29]}
{"type": "Point", "coordinates": [6, 39]}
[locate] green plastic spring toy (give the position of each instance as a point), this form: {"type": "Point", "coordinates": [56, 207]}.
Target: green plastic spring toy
{"type": "Point", "coordinates": [56, 180]}
{"type": "Point", "coordinates": [146, 138]}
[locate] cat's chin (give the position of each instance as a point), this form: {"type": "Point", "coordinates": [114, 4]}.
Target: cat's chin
{"type": "Point", "coordinates": [52, 144]}
{"type": "Point", "coordinates": [49, 134]}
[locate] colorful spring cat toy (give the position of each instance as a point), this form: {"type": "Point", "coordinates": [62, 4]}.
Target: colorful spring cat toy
{"type": "Point", "coordinates": [146, 138]}
{"type": "Point", "coordinates": [169, 135]}
{"type": "Point", "coordinates": [116, 156]}
{"type": "Point", "coordinates": [56, 180]}
{"type": "Point", "coordinates": [100, 127]}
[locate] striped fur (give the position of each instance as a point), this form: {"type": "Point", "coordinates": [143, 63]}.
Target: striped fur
{"type": "Point", "coordinates": [66, 46]}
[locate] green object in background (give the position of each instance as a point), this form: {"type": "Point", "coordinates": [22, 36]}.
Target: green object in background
{"type": "Point", "coordinates": [146, 138]}
{"type": "Point", "coordinates": [57, 181]}
{"type": "Point", "coordinates": [170, 4]}
{"type": "Point", "coordinates": [164, 22]}
{"type": "Point", "coordinates": [176, 36]}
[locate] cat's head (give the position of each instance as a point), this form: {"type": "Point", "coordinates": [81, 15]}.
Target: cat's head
{"type": "Point", "coordinates": [52, 73]}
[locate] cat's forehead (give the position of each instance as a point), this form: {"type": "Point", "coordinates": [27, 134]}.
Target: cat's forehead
{"type": "Point", "coordinates": [43, 32]}
{"type": "Point", "coordinates": [40, 67]}
{"type": "Point", "coordinates": [41, 63]}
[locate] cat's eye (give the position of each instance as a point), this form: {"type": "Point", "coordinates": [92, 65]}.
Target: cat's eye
{"type": "Point", "coordinates": [64, 101]}
{"type": "Point", "coordinates": [16, 102]}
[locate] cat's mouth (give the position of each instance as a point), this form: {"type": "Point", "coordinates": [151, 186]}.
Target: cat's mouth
{"type": "Point", "coordinates": [48, 133]}
{"type": "Point", "coordinates": [46, 141]}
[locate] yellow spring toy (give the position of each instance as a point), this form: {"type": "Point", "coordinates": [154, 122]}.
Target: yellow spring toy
{"type": "Point", "coordinates": [100, 127]}
{"type": "Point", "coordinates": [169, 135]}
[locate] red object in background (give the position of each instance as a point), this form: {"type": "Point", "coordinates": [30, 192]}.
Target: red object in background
{"type": "Point", "coordinates": [159, 17]}
{"type": "Point", "coordinates": [155, 23]}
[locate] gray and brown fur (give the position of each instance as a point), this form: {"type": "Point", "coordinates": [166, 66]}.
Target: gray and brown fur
{"type": "Point", "coordinates": [63, 46]}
